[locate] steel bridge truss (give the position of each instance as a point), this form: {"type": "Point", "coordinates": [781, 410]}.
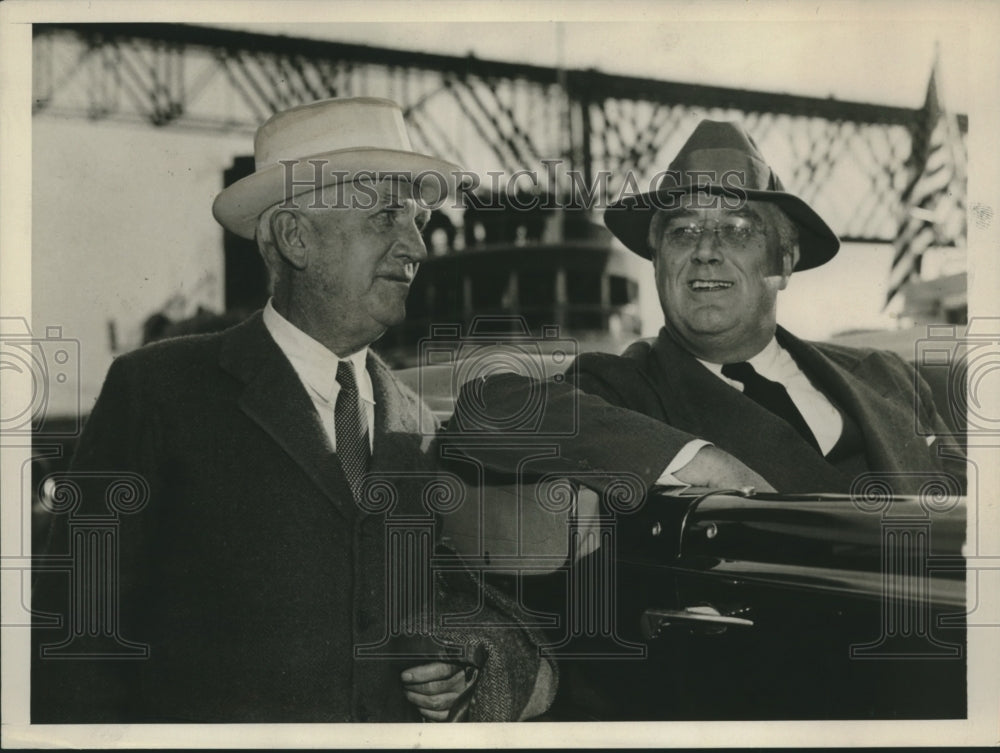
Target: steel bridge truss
{"type": "Point", "coordinates": [850, 160]}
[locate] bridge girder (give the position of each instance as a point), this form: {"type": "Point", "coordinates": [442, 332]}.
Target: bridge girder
{"type": "Point", "coordinates": [849, 159]}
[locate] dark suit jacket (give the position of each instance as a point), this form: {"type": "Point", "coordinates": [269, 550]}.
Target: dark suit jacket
{"type": "Point", "coordinates": [672, 399]}
{"type": "Point", "coordinates": [250, 573]}
{"type": "Point", "coordinates": [630, 415]}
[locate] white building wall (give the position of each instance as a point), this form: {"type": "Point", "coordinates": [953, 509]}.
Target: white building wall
{"type": "Point", "coordinates": [122, 225]}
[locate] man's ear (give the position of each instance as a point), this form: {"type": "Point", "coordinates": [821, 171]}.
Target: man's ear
{"type": "Point", "coordinates": [288, 234]}
{"type": "Point", "coordinates": [788, 262]}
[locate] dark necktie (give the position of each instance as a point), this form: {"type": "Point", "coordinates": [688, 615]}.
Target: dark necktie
{"type": "Point", "coordinates": [351, 426]}
{"type": "Point", "coordinates": [770, 395]}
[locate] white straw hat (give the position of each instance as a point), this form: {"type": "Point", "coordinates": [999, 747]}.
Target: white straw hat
{"type": "Point", "coordinates": [320, 144]}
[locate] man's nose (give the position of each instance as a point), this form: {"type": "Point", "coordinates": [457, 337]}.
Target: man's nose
{"type": "Point", "coordinates": [706, 250]}
{"type": "Point", "coordinates": [409, 244]}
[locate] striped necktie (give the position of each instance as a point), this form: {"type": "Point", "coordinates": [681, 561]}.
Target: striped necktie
{"type": "Point", "coordinates": [351, 427]}
{"type": "Point", "coordinates": [770, 395]}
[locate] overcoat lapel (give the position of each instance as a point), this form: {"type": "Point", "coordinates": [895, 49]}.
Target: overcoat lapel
{"type": "Point", "coordinates": [275, 399]}
{"type": "Point", "coordinates": [400, 441]}
{"type": "Point", "coordinates": [860, 388]}
{"type": "Point", "coordinates": [698, 402]}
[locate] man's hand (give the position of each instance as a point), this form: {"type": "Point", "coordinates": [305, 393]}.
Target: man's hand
{"type": "Point", "coordinates": [717, 469]}
{"type": "Point", "coordinates": [440, 690]}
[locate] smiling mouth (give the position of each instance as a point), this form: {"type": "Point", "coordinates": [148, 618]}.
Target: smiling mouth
{"type": "Point", "coordinates": [708, 285]}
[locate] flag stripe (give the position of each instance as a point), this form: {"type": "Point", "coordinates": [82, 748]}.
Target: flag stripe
{"type": "Point", "coordinates": [934, 173]}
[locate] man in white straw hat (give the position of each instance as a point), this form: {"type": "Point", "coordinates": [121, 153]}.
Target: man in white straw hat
{"type": "Point", "coordinates": [257, 583]}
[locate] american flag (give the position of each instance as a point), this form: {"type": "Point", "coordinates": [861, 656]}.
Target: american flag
{"type": "Point", "coordinates": [933, 202]}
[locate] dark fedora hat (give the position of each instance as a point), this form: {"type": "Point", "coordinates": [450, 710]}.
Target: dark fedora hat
{"type": "Point", "coordinates": [720, 158]}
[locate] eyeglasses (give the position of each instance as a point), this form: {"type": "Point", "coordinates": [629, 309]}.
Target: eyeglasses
{"type": "Point", "coordinates": [684, 234]}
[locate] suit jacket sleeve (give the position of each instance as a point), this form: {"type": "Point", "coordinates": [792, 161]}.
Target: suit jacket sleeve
{"type": "Point", "coordinates": [594, 414]}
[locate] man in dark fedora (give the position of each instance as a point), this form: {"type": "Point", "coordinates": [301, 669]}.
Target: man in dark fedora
{"type": "Point", "coordinates": [257, 582]}
{"type": "Point", "coordinates": [722, 398]}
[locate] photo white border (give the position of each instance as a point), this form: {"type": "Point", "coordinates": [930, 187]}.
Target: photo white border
{"type": "Point", "coordinates": [15, 300]}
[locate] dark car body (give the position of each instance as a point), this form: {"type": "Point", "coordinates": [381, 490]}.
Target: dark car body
{"type": "Point", "coordinates": [725, 604]}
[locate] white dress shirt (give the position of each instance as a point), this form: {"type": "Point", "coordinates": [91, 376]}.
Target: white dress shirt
{"type": "Point", "coordinates": [317, 370]}
{"type": "Point", "coordinates": [773, 363]}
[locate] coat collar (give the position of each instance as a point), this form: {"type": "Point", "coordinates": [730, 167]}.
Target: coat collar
{"type": "Point", "coordinates": [404, 428]}
{"type": "Point", "coordinates": [274, 398]}
{"type": "Point", "coordinates": [700, 403]}
{"type": "Point", "coordinates": [858, 382]}
{"type": "Point", "coordinates": [709, 407]}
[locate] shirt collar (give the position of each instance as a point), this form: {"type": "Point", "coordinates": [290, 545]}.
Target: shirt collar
{"type": "Point", "coordinates": [313, 362]}
{"type": "Point", "coordinates": [764, 363]}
